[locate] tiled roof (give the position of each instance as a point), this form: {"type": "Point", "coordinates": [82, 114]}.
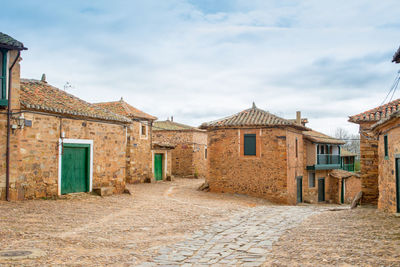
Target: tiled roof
{"type": "Point", "coordinates": [172, 126]}
{"type": "Point", "coordinates": [124, 109]}
{"type": "Point", "coordinates": [8, 42]}
{"type": "Point", "coordinates": [318, 137]}
{"type": "Point", "coordinates": [385, 120]}
{"type": "Point", "coordinates": [346, 153]}
{"type": "Point", "coordinates": [396, 56]}
{"type": "Point", "coordinates": [40, 96]}
{"type": "Point", "coordinates": [251, 117]}
{"type": "Point", "coordinates": [377, 113]}
{"type": "Point", "coordinates": [338, 173]}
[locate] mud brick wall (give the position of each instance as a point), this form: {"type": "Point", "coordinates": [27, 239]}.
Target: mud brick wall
{"type": "Point", "coordinates": [34, 158]}
{"type": "Point", "coordinates": [387, 167]}
{"type": "Point", "coordinates": [369, 167]}
{"type": "Point", "coordinates": [188, 156]}
{"type": "Point", "coordinates": [267, 175]}
{"type": "Point", "coordinates": [138, 159]}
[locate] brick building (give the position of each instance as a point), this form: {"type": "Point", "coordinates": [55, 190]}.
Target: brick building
{"type": "Point", "coordinates": [190, 153]}
{"type": "Point", "coordinates": [54, 143]}
{"type": "Point", "coordinates": [388, 133]}
{"type": "Point", "coordinates": [257, 153]}
{"type": "Point", "coordinates": [139, 166]}
{"type": "Point", "coordinates": [369, 159]}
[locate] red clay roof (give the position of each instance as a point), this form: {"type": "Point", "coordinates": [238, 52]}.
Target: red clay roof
{"type": "Point", "coordinates": [251, 117]}
{"type": "Point", "coordinates": [40, 96]}
{"type": "Point", "coordinates": [122, 108]}
{"type": "Point", "coordinates": [173, 126]}
{"type": "Point", "coordinates": [377, 113]}
{"type": "Point", "coordinates": [318, 137]}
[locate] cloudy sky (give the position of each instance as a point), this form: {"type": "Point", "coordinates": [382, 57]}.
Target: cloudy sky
{"type": "Point", "coordinates": [201, 60]}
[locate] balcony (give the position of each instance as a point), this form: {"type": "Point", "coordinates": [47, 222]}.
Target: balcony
{"type": "Point", "coordinates": [326, 162]}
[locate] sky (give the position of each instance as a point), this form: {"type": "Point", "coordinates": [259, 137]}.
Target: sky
{"type": "Point", "coordinates": [201, 60]}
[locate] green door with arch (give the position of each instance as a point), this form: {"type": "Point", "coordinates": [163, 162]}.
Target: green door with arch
{"type": "Point", "coordinates": [158, 167]}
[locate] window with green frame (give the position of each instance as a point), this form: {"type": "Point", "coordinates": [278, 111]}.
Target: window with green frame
{"type": "Point", "coordinates": [3, 77]}
{"type": "Point", "coordinates": [250, 145]}
{"type": "Point", "coordinates": [385, 143]}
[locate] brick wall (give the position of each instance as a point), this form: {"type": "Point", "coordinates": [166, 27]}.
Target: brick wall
{"type": "Point", "coordinates": [34, 157]}
{"type": "Point", "coordinates": [188, 155]}
{"type": "Point", "coordinates": [387, 166]}
{"type": "Point", "coordinates": [369, 167]}
{"type": "Point", "coordinates": [270, 174]}
{"type": "Point", "coordinates": [139, 158]}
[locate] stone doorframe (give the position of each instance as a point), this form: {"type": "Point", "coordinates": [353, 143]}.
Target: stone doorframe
{"type": "Point", "coordinates": [74, 141]}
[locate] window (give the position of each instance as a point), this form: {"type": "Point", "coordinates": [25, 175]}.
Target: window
{"type": "Point", "coordinates": [385, 143]}
{"type": "Point", "coordinates": [311, 179]}
{"type": "Point", "coordinates": [3, 77]}
{"type": "Point", "coordinates": [297, 149]}
{"type": "Point", "coordinates": [143, 130]}
{"type": "Point", "coordinates": [205, 152]}
{"type": "Point", "coordinates": [250, 145]}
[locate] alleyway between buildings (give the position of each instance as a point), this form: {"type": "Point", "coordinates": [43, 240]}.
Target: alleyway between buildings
{"type": "Point", "coordinates": [170, 223]}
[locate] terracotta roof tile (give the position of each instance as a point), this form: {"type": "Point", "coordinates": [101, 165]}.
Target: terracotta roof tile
{"type": "Point", "coordinates": [40, 96]}
{"type": "Point", "coordinates": [172, 126]}
{"type": "Point", "coordinates": [251, 117]}
{"type": "Point", "coordinates": [318, 137]}
{"type": "Point", "coordinates": [124, 109]}
{"type": "Point", "coordinates": [338, 173]}
{"type": "Point", "coordinates": [346, 153]}
{"type": "Point", "coordinates": [8, 42]}
{"type": "Point", "coordinates": [377, 113]}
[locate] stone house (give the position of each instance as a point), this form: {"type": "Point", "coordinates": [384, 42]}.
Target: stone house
{"type": "Point", "coordinates": [139, 159]}
{"type": "Point", "coordinates": [348, 160]}
{"type": "Point", "coordinates": [388, 132]}
{"type": "Point", "coordinates": [257, 153]}
{"type": "Point", "coordinates": [53, 142]}
{"type": "Point", "coordinates": [189, 158]}
{"type": "Point", "coordinates": [369, 158]}
{"type": "Point", "coordinates": [322, 156]}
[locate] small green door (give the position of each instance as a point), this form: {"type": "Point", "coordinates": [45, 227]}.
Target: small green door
{"type": "Point", "coordinates": [75, 168]}
{"type": "Point", "coordinates": [299, 180]}
{"type": "Point", "coordinates": [343, 191]}
{"type": "Point", "coordinates": [321, 189]}
{"type": "Point", "coordinates": [158, 166]}
{"type": "Point", "coordinates": [398, 184]}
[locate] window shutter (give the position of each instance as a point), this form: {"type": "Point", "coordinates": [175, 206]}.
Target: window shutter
{"type": "Point", "coordinates": [250, 145]}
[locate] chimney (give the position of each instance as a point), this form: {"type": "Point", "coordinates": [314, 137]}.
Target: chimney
{"type": "Point", "coordinates": [43, 78]}
{"type": "Point", "coordinates": [172, 118]}
{"type": "Point", "coordinates": [298, 117]}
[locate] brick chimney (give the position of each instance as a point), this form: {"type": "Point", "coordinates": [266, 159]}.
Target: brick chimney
{"type": "Point", "coordinates": [298, 117]}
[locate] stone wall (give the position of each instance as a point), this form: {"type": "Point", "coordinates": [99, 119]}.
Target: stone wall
{"type": "Point", "coordinates": [270, 174]}
{"type": "Point", "coordinates": [139, 159]}
{"type": "Point", "coordinates": [369, 167]}
{"type": "Point", "coordinates": [167, 162]}
{"type": "Point", "coordinates": [353, 186]}
{"type": "Point", "coordinates": [387, 166]}
{"type": "Point", "coordinates": [34, 157]}
{"type": "Point", "coordinates": [188, 156]}
{"type": "Point", "coordinates": [310, 194]}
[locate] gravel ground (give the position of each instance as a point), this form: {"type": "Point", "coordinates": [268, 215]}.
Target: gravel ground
{"type": "Point", "coordinates": [126, 230]}
{"type": "Point", "coordinates": [85, 229]}
{"type": "Point", "coordinates": [360, 237]}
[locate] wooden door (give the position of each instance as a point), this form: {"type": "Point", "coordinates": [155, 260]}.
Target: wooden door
{"type": "Point", "coordinates": [75, 168]}
{"type": "Point", "coordinates": [321, 189]}
{"type": "Point", "coordinates": [158, 167]}
{"type": "Point", "coordinates": [342, 195]}
{"type": "Point", "coordinates": [398, 184]}
{"type": "Point", "coordinates": [299, 181]}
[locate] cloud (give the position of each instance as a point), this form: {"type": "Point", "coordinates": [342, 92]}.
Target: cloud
{"type": "Point", "coordinates": [202, 60]}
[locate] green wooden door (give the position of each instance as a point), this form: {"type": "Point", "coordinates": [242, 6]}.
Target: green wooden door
{"type": "Point", "coordinates": [75, 168]}
{"type": "Point", "coordinates": [158, 168]}
{"type": "Point", "coordinates": [343, 191]}
{"type": "Point", "coordinates": [299, 189]}
{"type": "Point", "coordinates": [398, 184]}
{"type": "Point", "coordinates": [321, 189]}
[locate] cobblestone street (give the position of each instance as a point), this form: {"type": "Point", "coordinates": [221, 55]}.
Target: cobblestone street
{"type": "Point", "coordinates": [172, 224]}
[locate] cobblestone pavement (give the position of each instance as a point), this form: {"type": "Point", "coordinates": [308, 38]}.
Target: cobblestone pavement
{"type": "Point", "coordinates": [244, 240]}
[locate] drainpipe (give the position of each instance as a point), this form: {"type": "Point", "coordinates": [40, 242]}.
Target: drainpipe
{"type": "Point", "coordinates": [9, 114]}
